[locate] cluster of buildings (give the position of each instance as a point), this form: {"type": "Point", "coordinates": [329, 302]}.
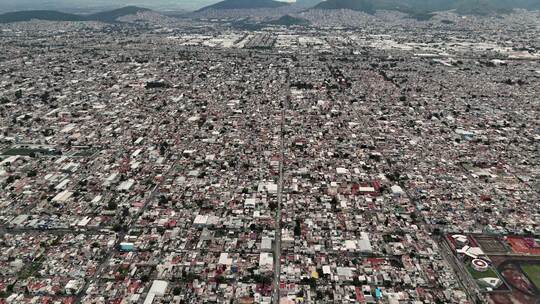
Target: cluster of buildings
{"type": "Point", "coordinates": [201, 164]}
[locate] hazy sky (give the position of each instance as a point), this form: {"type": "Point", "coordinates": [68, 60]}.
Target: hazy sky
{"type": "Point", "coordinates": [10, 5]}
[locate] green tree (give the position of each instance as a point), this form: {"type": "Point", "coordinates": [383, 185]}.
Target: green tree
{"type": "Point", "coordinates": [112, 205]}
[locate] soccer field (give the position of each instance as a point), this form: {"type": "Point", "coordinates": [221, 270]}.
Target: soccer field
{"type": "Point", "coordinates": [533, 273]}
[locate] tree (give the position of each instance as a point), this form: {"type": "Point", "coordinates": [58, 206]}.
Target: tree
{"type": "Point", "coordinates": [312, 282]}
{"type": "Point", "coordinates": [220, 280]}
{"type": "Point", "coordinates": [117, 228]}
{"type": "Point", "coordinates": [112, 205]}
{"type": "Point", "coordinates": [190, 277]}
{"type": "Point", "coordinates": [297, 228]}
{"type": "Point", "coordinates": [163, 146]}
{"type": "Point", "coordinates": [45, 97]}
{"type": "Point", "coordinates": [260, 279]}
{"type": "Point", "coordinates": [11, 179]}
{"type": "Point", "coordinates": [394, 177]}
{"type": "Point", "coordinates": [163, 200]}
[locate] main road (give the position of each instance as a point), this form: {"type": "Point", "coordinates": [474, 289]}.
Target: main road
{"type": "Point", "coordinates": [277, 237]}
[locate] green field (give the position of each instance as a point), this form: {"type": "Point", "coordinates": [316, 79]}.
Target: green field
{"type": "Point", "coordinates": [480, 275]}
{"type": "Point", "coordinates": [85, 153]}
{"type": "Point", "coordinates": [26, 152]}
{"type": "Point", "coordinates": [533, 273]}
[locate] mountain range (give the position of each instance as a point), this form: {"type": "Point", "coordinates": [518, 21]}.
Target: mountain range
{"type": "Point", "coordinates": [306, 3]}
{"type": "Point", "coordinates": [422, 8]}
{"type": "Point", "coordinates": [289, 20]}
{"type": "Point", "coordinates": [106, 16]}
{"type": "Point", "coordinates": [464, 7]}
{"type": "Point", "coordinates": [412, 7]}
{"type": "Point", "coordinates": [366, 6]}
{"type": "Point", "coordinates": [245, 4]}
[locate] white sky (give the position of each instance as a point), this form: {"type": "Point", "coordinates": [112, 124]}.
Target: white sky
{"type": "Point", "coordinates": [10, 5]}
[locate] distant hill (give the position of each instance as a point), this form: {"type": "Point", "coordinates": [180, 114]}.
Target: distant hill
{"type": "Point", "coordinates": [111, 16]}
{"type": "Point", "coordinates": [421, 9]}
{"type": "Point", "coordinates": [366, 6]}
{"type": "Point", "coordinates": [41, 15]}
{"type": "Point", "coordinates": [107, 16]}
{"type": "Point", "coordinates": [415, 6]}
{"type": "Point", "coordinates": [506, 4]}
{"type": "Point", "coordinates": [289, 20]}
{"type": "Point", "coordinates": [490, 7]}
{"type": "Point", "coordinates": [307, 3]}
{"type": "Point", "coordinates": [407, 6]}
{"type": "Point", "coordinates": [245, 4]}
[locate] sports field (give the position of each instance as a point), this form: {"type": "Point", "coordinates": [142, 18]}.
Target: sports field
{"type": "Point", "coordinates": [480, 275]}
{"type": "Point", "coordinates": [533, 273]}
